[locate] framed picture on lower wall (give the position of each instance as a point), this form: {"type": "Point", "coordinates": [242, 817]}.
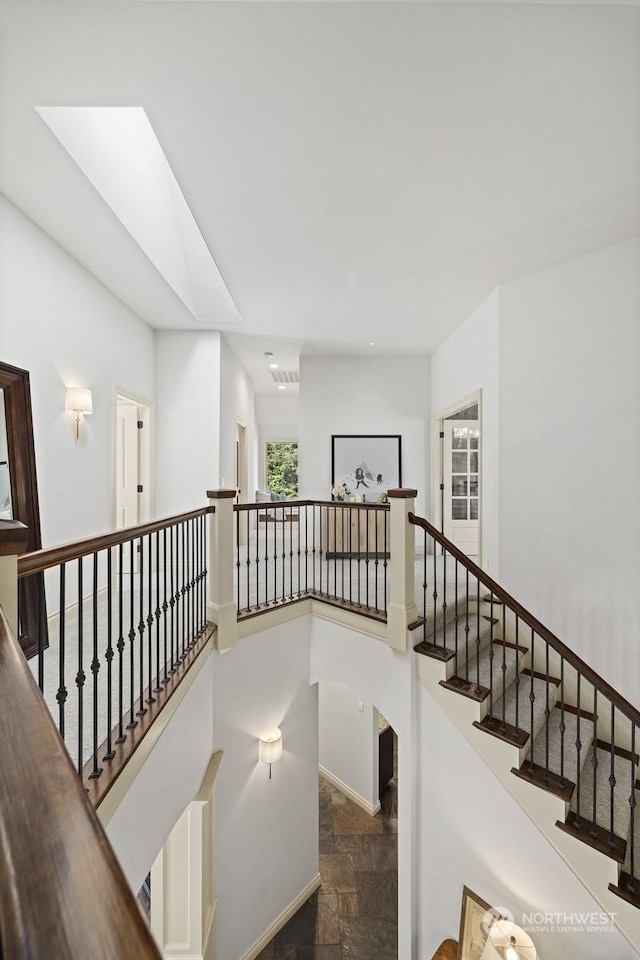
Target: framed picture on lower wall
{"type": "Point", "coordinates": [474, 929]}
{"type": "Point", "coordinates": [368, 465]}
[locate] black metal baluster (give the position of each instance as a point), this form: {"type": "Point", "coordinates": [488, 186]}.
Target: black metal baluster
{"type": "Point", "coordinates": [444, 604]}
{"type": "Point", "coordinates": [376, 559]}
{"type": "Point", "coordinates": [358, 542]}
{"type": "Point", "coordinates": [632, 804]}
{"type": "Point", "coordinates": [62, 694]}
{"type": "Point", "coordinates": [467, 628]}
{"type": "Point", "coordinates": [141, 627]}
{"type": "Point", "coordinates": [237, 558]}
{"type": "Point", "coordinates": [504, 671]}
{"type": "Point", "coordinates": [284, 553]}
{"type": "Point", "coordinates": [306, 547]}
{"type": "Point", "coordinates": [132, 636]}
{"type": "Point", "coordinates": [578, 750]}
{"type": "Point", "coordinates": [42, 629]}
{"type": "Point", "coordinates": [257, 515]}
{"type": "Point", "coordinates": [183, 590]}
{"type": "Point", "coordinates": [517, 680]}
{"type": "Point", "coordinates": [172, 598]}
{"type": "Point", "coordinates": [532, 698]}
{"type": "Point", "coordinates": [455, 612]}
{"type": "Point", "coordinates": [290, 553]}
{"type": "Point", "coordinates": [204, 572]}
{"type": "Point", "coordinates": [562, 723]}
{"type": "Point", "coordinates": [158, 614]}
{"type": "Point", "coordinates": [477, 634]}
{"type": "Point", "coordinates": [192, 582]}
{"type": "Point", "coordinates": [435, 595]}
{"type": "Point", "coordinates": [165, 607]}
{"type": "Point", "coordinates": [612, 779]}
{"type": "Point", "coordinates": [150, 696]}
{"type": "Point", "coordinates": [248, 561]}
{"type": "Point", "coordinates": [80, 675]}
{"type": "Point", "coordinates": [95, 668]}
{"type": "Point", "coordinates": [594, 764]}
{"type": "Point", "coordinates": [335, 552]}
{"type": "Point", "coordinates": [492, 653]}
{"type": "Point", "coordinates": [384, 562]}
{"type": "Point", "coordinates": [320, 526]}
{"type": "Point", "coordinates": [425, 587]}
{"type": "Point", "coordinates": [121, 645]}
{"type": "Point", "coordinates": [547, 713]}
{"type": "Point", "coordinates": [109, 755]}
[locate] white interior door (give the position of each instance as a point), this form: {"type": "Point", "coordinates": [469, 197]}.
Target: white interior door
{"type": "Point", "coordinates": [461, 482]}
{"type": "Point", "coordinates": [127, 465]}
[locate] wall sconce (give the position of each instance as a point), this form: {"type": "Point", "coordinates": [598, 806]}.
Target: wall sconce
{"type": "Point", "coordinates": [79, 401]}
{"type": "Point", "coordinates": [270, 749]}
{"type": "Point", "coordinates": [507, 941]}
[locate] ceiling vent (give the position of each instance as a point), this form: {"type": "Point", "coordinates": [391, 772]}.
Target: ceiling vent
{"type": "Point", "coordinates": [285, 376]}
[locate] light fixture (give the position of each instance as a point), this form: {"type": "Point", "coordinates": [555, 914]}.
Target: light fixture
{"type": "Point", "coordinates": [282, 386]}
{"type": "Point", "coordinates": [511, 942]}
{"type": "Point", "coordinates": [270, 749]}
{"type": "Point", "coordinates": [79, 401]}
{"type": "Point", "coordinates": [268, 354]}
{"type": "Point", "coordinates": [372, 343]}
{"type": "Point", "coordinates": [273, 366]}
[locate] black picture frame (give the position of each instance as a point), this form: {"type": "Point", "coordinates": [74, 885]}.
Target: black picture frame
{"type": "Point", "coordinates": [369, 464]}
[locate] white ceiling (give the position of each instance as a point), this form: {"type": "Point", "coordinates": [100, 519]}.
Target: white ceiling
{"type": "Point", "coordinates": [359, 171]}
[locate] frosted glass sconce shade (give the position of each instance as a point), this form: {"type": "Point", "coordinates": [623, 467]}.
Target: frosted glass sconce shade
{"type": "Point", "coordinates": [270, 749]}
{"type": "Point", "coordinates": [79, 400]}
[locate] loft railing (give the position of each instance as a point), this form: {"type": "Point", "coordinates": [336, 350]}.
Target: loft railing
{"type": "Point", "coordinates": [126, 614]}
{"type": "Point", "coordinates": [62, 891]}
{"type": "Point", "coordinates": [580, 735]}
{"type": "Point", "coordinates": [291, 550]}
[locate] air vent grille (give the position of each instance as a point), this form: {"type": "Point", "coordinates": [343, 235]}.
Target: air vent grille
{"type": "Point", "coordinates": [286, 376]}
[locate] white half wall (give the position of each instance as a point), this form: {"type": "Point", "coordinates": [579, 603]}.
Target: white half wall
{"type": "Point", "coordinates": [466, 363]}
{"type": "Point", "coordinates": [348, 744]}
{"type": "Point", "coordinates": [358, 395]}
{"type": "Point", "coordinates": [187, 419]}
{"type": "Point", "coordinates": [167, 783]}
{"type": "Point", "coordinates": [63, 326]}
{"type": "Point", "coordinates": [473, 833]}
{"type": "Point", "coordinates": [266, 830]}
{"type": "Point", "coordinates": [569, 400]}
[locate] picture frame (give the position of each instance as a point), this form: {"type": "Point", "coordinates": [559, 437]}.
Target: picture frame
{"type": "Point", "coordinates": [473, 930]}
{"type": "Point", "coordinates": [367, 464]}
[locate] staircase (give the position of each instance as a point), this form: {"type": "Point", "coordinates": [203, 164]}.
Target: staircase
{"type": "Point", "coordinates": [560, 739]}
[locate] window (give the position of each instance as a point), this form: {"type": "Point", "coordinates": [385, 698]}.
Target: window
{"type": "Point", "coordinates": [282, 468]}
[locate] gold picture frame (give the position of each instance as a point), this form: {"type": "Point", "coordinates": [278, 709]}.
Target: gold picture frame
{"type": "Point", "coordinates": [473, 934]}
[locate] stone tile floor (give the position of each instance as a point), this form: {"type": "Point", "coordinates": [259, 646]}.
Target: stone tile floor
{"type": "Point", "coordinates": [354, 914]}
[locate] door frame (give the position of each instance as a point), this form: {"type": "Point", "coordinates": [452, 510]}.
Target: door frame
{"type": "Point", "coordinates": [437, 465]}
{"type": "Point", "coordinates": [146, 451]}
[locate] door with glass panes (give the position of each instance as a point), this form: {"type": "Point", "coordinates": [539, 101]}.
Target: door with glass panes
{"type": "Point", "coordinates": [460, 477]}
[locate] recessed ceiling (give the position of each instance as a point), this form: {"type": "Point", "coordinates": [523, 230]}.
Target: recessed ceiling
{"type": "Point", "coordinates": [359, 171]}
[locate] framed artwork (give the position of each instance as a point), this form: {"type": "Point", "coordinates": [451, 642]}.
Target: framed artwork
{"type": "Point", "coordinates": [474, 930]}
{"type": "Point", "coordinates": [366, 465]}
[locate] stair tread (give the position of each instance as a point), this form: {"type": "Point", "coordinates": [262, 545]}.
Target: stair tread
{"type": "Point", "coordinates": [442, 644]}
{"type": "Point", "coordinates": [622, 773]}
{"type": "Point", "coordinates": [562, 762]}
{"type": "Point", "coordinates": [518, 694]}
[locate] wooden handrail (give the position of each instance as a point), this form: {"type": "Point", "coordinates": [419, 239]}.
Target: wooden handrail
{"type": "Point", "coordinates": [62, 891]}
{"type": "Point", "coordinates": [554, 642]}
{"type": "Point", "coordinates": [43, 559]}
{"type": "Point", "coordinates": [276, 504]}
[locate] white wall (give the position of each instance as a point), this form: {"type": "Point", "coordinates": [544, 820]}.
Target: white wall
{"type": "Point", "coordinates": [569, 463]}
{"type": "Point", "coordinates": [473, 833]}
{"type": "Point", "coordinates": [466, 363]}
{"type": "Point", "coordinates": [236, 402]}
{"type": "Point", "coordinates": [187, 419]}
{"type": "Point", "coordinates": [362, 396]}
{"type": "Point", "coordinates": [167, 783]}
{"type": "Point", "coordinates": [348, 744]}
{"type": "Point", "coordinates": [266, 830]}
{"type": "Point", "coordinates": [59, 323]}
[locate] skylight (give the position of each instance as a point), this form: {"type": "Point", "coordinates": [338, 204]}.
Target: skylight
{"type": "Point", "coordinates": [117, 149]}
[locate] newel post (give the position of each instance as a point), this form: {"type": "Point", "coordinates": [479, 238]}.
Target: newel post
{"type": "Point", "coordinates": [221, 608]}
{"type": "Point", "coordinates": [401, 610]}
{"type": "Point", "coordinates": [13, 542]}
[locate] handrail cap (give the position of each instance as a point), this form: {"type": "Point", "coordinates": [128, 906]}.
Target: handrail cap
{"type": "Point", "coordinates": [13, 537]}
{"type": "Point", "coordinates": [222, 494]}
{"type": "Point", "coordinates": [402, 494]}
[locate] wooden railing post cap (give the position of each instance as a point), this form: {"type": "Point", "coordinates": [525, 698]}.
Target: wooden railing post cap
{"type": "Point", "coordinates": [402, 494]}
{"type": "Point", "coordinates": [13, 538]}
{"type": "Point", "coordinates": [222, 494]}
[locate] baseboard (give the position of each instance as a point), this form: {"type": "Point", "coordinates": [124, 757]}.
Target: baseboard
{"type": "Point", "coordinates": [71, 611]}
{"type": "Point", "coordinates": [348, 792]}
{"type": "Point", "coordinates": [280, 921]}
